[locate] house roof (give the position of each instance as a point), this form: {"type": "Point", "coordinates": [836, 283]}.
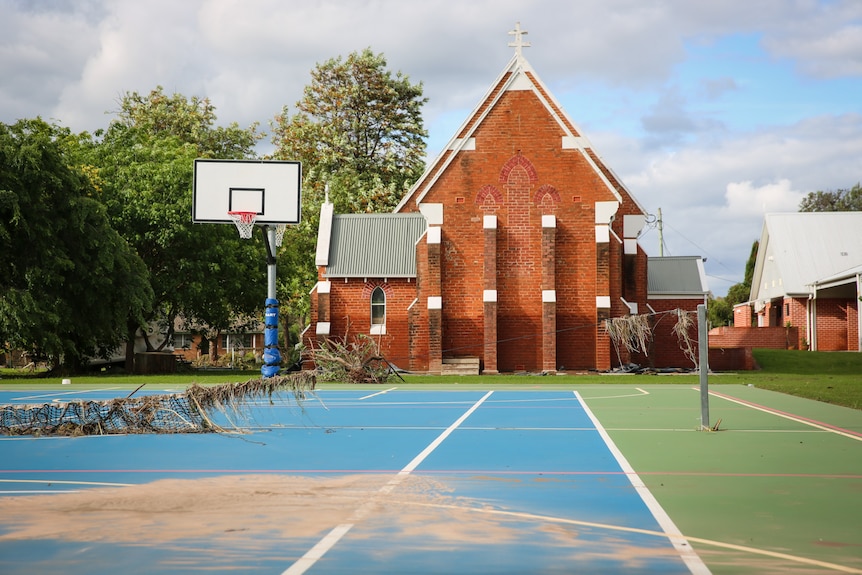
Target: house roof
{"type": "Point", "coordinates": [374, 245]}
{"type": "Point", "coordinates": [841, 278]}
{"type": "Point", "coordinates": [800, 249]}
{"type": "Point", "coordinates": [677, 276]}
{"type": "Point", "coordinates": [517, 75]}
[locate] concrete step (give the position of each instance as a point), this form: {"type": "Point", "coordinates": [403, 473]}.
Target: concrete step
{"type": "Point", "coordinates": [460, 366]}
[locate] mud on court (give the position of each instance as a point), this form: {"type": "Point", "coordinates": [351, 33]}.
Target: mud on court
{"type": "Point", "coordinates": [254, 511]}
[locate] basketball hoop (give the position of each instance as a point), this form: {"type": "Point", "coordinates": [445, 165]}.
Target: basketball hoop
{"type": "Point", "coordinates": [244, 222]}
{"type": "Point", "coordinates": [279, 234]}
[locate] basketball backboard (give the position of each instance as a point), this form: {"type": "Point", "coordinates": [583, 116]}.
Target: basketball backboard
{"type": "Point", "coordinates": [269, 188]}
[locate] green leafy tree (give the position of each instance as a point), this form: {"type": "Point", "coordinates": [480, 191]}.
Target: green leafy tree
{"type": "Point", "coordinates": [190, 120]}
{"type": "Point", "coordinates": [145, 161]}
{"type": "Point", "coordinates": [841, 200]}
{"type": "Point", "coordinates": [358, 120]}
{"type": "Point", "coordinates": [358, 130]}
{"type": "Point", "coordinates": [70, 282]}
{"type": "Point", "coordinates": [720, 310]}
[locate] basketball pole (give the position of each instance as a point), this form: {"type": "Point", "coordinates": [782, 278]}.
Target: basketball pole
{"type": "Point", "coordinates": [271, 353]}
{"type": "Point", "coordinates": [269, 240]}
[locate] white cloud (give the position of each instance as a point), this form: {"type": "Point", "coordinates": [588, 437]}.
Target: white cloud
{"type": "Point", "coordinates": [40, 53]}
{"type": "Point", "coordinates": [826, 41]}
{"type": "Point", "coordinates": [746, 199]}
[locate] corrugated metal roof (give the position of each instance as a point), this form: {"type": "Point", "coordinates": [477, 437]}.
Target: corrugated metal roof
{"type": "Point", "coordinates": [807, 247]}
{"type": "Point", "coordinates": [678, 275]}
{"type": "Point", "coordinates": [374, 245]}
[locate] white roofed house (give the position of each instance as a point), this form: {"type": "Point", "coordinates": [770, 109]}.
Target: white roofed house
{"type": "Point", "coordinates": [808, 274]}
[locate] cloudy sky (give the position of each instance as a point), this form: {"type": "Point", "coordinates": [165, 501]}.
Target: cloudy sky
{"type": "Point", "coordinates": [714, 111]}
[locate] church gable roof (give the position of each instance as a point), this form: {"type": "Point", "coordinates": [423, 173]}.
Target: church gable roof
{"type": "Point", "coordinates": [518, 75]}
{"type": "Point", "coordinates": [374, 245]}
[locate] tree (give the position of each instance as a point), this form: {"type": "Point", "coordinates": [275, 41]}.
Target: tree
{"type": "Point", "coordinates": [360, 122]}
{"type": "Point", "coordinates": [841, 200]}
{"type": "Point", "coordinates": [145, 160]}
{"type": "Point", "coordinates": [721, 309]}
{"type": "Point", "coordinates": [719, 312]}
{"type": "Point", "coordinates": [191, 120]}
{"type": "Point", "coordinates": [70, 281]}
{"type": "Point", "coordinates": [359, 131]}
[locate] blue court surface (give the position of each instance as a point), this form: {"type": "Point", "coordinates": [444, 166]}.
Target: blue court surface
{"type": "Point", "coordinates": [356, 480]}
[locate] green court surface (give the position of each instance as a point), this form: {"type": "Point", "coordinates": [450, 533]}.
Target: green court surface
{"type": "Point", "coordinates": [776, 492]}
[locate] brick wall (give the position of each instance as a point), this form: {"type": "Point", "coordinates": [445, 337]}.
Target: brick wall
{"type": "Point", "coordinates": [837, 325]}
{"type": "Point", "coordinates": [349, 304]}
{"type": "Point", "coordinates": [743, 315]}
{"type": "Point", "coordinates": [518, 172]}
{"type": "Point", "coordinates": [418, 313]}
{"type": "Point", "coordinates": [853, 325]}
{"type": "Point", "coordinates": [767, 337]}
{"type": "Point", "coordinates": [731, 359]}
{"type": "Point", "coordinates": [665, 349]}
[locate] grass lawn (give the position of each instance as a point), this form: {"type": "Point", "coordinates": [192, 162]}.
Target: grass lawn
{"type": "Point", "coordinates": [832, 377]}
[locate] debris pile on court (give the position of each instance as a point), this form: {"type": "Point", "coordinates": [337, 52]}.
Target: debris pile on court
{"type": "Point", "coordinates": [192, 411]}
{"type": "Point", "coordinates": [356, 360]}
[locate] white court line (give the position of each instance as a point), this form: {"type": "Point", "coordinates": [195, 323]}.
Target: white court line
{"type": "Point", "coordinates": [429, 428]}
{"type": "Point", "coordinates": [38, 492]}
{"type": "Point", "coordinates": [538, 400]}
{"type": "Point", "coordinates": [311, 556]}
{"type": "Point", "coordinates": [64, 482]}
{"type": "Point", "coordinates": [624, 529]}
{"type": "Point", "coordinates": [378, 393]}
{"type": "Point", "coordinates": [382, 405]}
{"type": "Point", "coordinates": [65, 393]}
{"type": "Point", "coordinates": [641, 394]}
{"type": "Point", "coordinates": [354, 402]}
{"type": "Point", "coordinates": [790, 416]}
{"type": "Point", "coordinates": [694, 563]}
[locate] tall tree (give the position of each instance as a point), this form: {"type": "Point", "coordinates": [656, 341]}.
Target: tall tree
{"type": "Point", "coordinates": [358, 130]}
{"type": "Point", "coordinates": [721, 309]}
{"type": "Point", "coordinates": [70, 282]}
{"type": "Point", "coordinates": [145, 159]}
{"type": "Point", "coordinates": [358, 120]}
{"type": "Point", "coordinates": [841, 200]}
{"type": "Point", "coordinates": [741, 292]}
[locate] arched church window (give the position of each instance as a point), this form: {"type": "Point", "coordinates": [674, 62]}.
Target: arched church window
{"type": "Point", "coordinates": [378, 310]}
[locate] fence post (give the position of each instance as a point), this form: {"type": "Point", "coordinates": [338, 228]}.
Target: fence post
{"type": "Point", "coordinates": [703, 364]}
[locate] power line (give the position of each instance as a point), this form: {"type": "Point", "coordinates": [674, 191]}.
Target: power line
{"type": "Point", "coordinates": [700, 248]}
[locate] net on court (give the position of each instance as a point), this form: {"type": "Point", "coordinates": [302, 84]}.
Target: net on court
{"type": "Point", "coordinates": [192, 411]}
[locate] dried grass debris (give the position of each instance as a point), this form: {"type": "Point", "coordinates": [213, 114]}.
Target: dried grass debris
{"type": "Point", "coordinates": [192, 411]}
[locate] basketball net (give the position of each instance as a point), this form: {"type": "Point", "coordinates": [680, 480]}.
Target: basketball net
{"type": "Point", "coordinates": [244, 222]}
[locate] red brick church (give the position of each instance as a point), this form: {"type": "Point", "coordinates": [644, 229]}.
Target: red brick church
{"type": "Point", "coordinates": [511, 249]}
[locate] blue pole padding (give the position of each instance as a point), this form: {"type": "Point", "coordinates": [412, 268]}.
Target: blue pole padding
{"type": "Point", "coordinates": [271, 354]}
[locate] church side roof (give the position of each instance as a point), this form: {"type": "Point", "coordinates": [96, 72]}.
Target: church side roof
{"type": "Point", "coordinates": [801, 248]}
{"type": "Point", "coordinates": [374, 245]}
{"type": "Point", "coordinates": [676, 276]}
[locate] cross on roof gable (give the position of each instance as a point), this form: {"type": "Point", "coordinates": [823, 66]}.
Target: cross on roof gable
{"type": "Point", "coordinates": [519, 43]}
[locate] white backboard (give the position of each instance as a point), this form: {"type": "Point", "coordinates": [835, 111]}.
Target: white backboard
{"type": "Point", "coordinates": [269, 188]}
